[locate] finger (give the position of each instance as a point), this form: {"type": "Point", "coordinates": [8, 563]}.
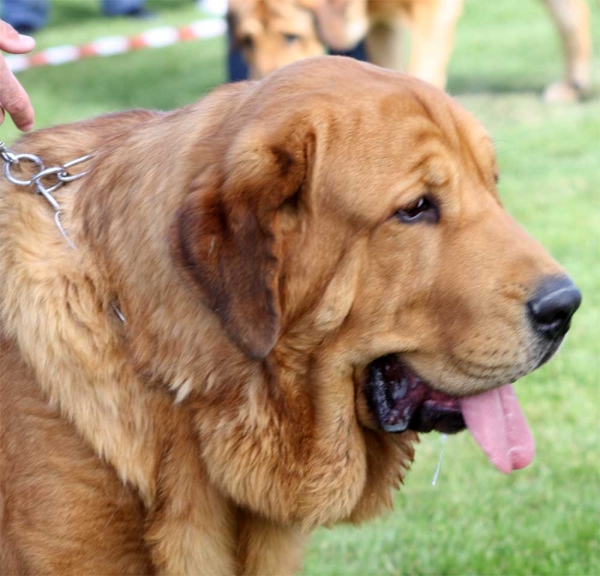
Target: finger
{"type": "Point", "coordinates": [14, 99]}
{"type": "Point", "coordinates": [13, 42]}
{"type": "Point", "coordinates": [1, 115]}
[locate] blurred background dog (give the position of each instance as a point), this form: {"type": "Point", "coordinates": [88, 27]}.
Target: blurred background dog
{"type": "Point", "coordinates": [273, 33]}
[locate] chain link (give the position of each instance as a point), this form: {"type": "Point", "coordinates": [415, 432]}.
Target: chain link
{"type": "Point", "coordinates": [6, 154]}
{"type": "Point", "coordinates": [61, 173]}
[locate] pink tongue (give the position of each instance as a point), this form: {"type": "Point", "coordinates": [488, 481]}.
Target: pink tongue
{"type": "Point", "coordinates": [498, 425]}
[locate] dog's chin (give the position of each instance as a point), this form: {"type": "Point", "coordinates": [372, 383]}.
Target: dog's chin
{"type": "Point", "coordinates": [400, 400]}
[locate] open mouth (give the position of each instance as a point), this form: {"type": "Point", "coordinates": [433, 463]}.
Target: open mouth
{"type": "Point", "coordinates": [401, 400]}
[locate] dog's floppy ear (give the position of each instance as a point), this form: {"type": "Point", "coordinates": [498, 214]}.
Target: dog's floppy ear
{"type": "Point", "coordinates": [226, 235]}
{"type": "Point", "coordinates": [341, 24]}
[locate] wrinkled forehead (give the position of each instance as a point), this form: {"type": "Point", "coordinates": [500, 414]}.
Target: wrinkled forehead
{"type": "Point", "coordinates": [376, 138]}
{"type": "Point", "coordinates": [398, 145]}
{"type": "Point", "coordinates": [254, 17]}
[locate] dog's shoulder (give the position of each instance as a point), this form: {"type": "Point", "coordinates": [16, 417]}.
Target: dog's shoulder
{"type": "Point", "coordinates": [58, 501]}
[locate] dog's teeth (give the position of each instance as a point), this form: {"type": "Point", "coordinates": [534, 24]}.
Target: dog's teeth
{"type": "Point", "coordinates": [399, 391]}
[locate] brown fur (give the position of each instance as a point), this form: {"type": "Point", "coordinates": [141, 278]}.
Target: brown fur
{"type": "Point", "coordinates": [262, 28]}
{"type": "Point", "coordinates": [251, 242]}
{"type": "Point", "coordinates": [45, 461]}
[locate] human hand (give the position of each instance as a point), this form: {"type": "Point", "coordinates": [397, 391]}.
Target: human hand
{"type": "Point", "coordinates": [13, 98]}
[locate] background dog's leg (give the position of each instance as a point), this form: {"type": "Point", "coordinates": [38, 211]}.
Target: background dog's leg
{"type": "Point", "coordinates": [432, 27]}
{"type": "Point", "coordinates": [384, 44]}
{"type": "Point", "coordinates": [572, 18]}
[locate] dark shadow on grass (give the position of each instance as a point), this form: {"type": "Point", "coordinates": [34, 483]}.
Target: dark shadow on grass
{"type": "Point", "coordinates": [73, 13]}
{"type": "Point", "coordinates": [472, 86]}
{"type": "Point", "coordinates": [69, 12]}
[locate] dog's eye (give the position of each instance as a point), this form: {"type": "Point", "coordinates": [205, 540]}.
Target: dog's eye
{"type": "Point", "coordinates": [422, 210]}
{"type": "Point", "coordinates": [247, 41]}
{"type": "Point", "coordinates": [291, 38]}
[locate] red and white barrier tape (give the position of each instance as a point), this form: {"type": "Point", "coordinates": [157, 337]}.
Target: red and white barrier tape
{"type": "Point", "coordinates": [109, 46]}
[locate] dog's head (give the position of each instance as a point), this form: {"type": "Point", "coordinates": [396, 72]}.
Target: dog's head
{"type": "Point", "coordinates": [273, 33]}
{"type": "Point", "coordinates": [358, 225]}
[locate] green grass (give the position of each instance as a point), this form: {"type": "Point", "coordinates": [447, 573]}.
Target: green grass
{"type": "Point", "coordinates": [542, 520]}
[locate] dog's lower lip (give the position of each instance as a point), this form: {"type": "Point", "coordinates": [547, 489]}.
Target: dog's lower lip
{"type": "Point", "coordinates": [554, 346]}
{"type": "Point", "coordinates": [444, 417]}
{"type": "Point", "coordinates": [401, 400]}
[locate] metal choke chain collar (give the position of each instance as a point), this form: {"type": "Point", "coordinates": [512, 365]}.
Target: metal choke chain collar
{"type": "Point", "coordinates": [46, 181]}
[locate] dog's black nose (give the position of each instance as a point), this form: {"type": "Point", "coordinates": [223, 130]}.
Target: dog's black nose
{"type": "Point", "coordinates": [554, 303]}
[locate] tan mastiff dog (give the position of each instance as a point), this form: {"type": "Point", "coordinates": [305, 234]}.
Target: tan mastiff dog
{"type": "Point", "coordinates": [312, 270]}
{"type": "Point", "coordinates": [272, 33]}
